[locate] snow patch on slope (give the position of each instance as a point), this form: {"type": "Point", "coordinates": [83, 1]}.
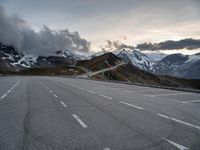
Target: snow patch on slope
{"type": "Point", "coordinates": [135, 57]}
{"type": "Point", "coordinates": [26, 61]}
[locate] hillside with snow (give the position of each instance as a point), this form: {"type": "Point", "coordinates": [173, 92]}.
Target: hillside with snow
{"type": "Point", "coordinates": [136, 58]}
{"type": "Point", "coordinates": [13, 60]}
{"type": "Point", "coordinates": [178, 65]}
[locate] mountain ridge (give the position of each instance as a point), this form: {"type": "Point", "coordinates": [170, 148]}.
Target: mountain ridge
{"type": "Point", "coordinates": [177, 65]}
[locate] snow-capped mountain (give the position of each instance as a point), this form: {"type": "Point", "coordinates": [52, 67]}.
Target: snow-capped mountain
{"type": "Point", "coordinates": [136, 58]}
{"type": "Point", "coordinates": [12, 60]}
{"type": "Point", "coordinates": [179, 65]}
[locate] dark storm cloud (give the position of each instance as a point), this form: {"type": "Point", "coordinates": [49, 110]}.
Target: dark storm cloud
{"type": "Point", "coordinates": [171, 45]}
{"type": "Point", "coordinates": [15, 31]}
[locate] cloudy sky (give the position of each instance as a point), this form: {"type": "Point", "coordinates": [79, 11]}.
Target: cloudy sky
{"type": "Point", "coordinates": [128, 21]}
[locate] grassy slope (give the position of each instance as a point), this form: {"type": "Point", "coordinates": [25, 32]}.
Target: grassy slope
{"type": "Point", "coordinates": [130, 73]}
{"type": "Point", "coordinates": [101, 62]}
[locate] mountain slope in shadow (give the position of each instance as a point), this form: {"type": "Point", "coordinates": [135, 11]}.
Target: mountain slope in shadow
{"type": "Point", "coordinates": [130, 73]}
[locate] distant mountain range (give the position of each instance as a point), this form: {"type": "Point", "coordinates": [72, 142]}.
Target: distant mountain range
{"type": "Point", "coordinates": [177, 65]}
{"type": "Point", "coordinates": [128, 72]}
{"type": "Point", "coordinates": [13, 60]}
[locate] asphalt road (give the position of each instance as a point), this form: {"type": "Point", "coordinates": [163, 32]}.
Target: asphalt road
{"type": "Point", "coordinates": [52, 113]}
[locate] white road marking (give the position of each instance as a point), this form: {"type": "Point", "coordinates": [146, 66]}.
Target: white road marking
{"type": "Point", "coordinates": [131, 105]}
{"type": "Point", "coordinates": [184, 93]}
{"type": "Point", "coordinates": [3, 96]}
{"type": "Point", "coordinates": [133, 91]}
{"type": "Point", "coordinates": [74, 86]}
{"type": "Point", "coordinates": [79, 121]}
{"type": "Point", "coordinates": [49, 90]}
{"type": "Point", "coordinates": [173, 100]}
{"type": "Point", "coordinates": [179, 121]}
{"type": "Point", "coordinates": [45, 86]}
{"type": "Point", "coordinates": [168, 99]}
{"type": "Point", "coordinates": [55, 95]}
{"type": "Point", "coordinates": [106, 148]}
{"type": "Point", "coordinates": [10, 90]}
{"type": "Point", "coordinates": [15, 85]}
{"type": "Point", "coordinates": [105, 96]}
{"type": "Point", "coordinates": [91, 91]}
{"type": "Point", "coordinates": [149, 95]}
{"type": "Point", "coordinates": [181, 147]}
{"type": "Point", "coordinates": [109, 87]}
{"type": "Point", "coordinates": [81, 88]}
{"type": "Point", "coordinates": [194, 101]}
{"type": "Point", "coordinates": [63, 104]}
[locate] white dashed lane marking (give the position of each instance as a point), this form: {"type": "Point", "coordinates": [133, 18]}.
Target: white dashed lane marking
{"type": "Point", "coordinates": [131, 105]}
{"type": "Point", "coordinates": [105, 96]}
{"type": "Point", "coordinates": [169, 94]}
{"type": "Point", "coordinates": [79, 121]}
{"type": "Point", "coordinates": [194, 101]}
{"type": "Point", "coordinates": [10, 90]}
{"type": "Point", "coordinates": [81, 88]}
{"type": "Point", "coordinates": [139, 90]}
{"type": "Point", "coordinates": [55, 95]}
{"type": "Point", "coordinates": [181, 147]}
{"type": "Point", "coordinates": [90, 91]}
{"type": "Point", "coordinates": [49, 90]}
{"type": "Point", "coordinates": [3, 96]}
{"type": "Point", "coordinates": [180, 121]}
{"type": "Point", "coordinates": [106, 148]}
{"type": "Point", "coordinates": [63, 103]}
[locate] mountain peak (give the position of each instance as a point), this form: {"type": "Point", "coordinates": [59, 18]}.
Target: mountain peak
{"type": "Point", "coordinates": [135, 57]}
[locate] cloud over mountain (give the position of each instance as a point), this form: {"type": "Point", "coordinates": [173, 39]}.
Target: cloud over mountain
{"type": "Point", "coordinates": [115, 45]}
{"type": "Point", "coordinates": [170, 45]}
{"type": "Point", "coordinates": [16, 32]}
